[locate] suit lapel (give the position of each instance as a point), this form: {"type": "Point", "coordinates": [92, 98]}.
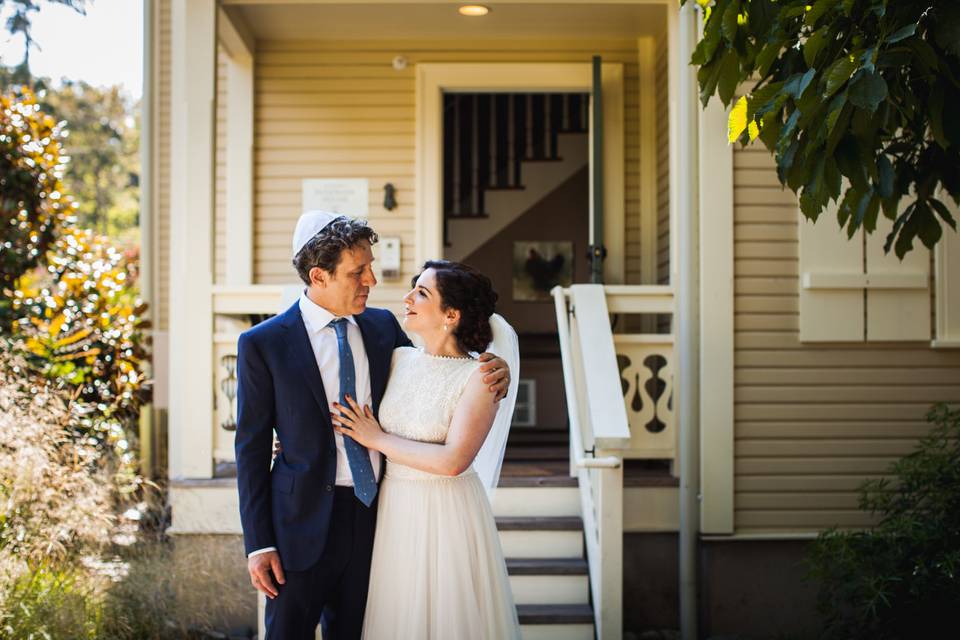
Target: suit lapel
{"type": "Point", "coordinates": [301, 352]}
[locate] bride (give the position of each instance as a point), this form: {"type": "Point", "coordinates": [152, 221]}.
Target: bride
{"type": "Point", "coordinates": [438, 569]}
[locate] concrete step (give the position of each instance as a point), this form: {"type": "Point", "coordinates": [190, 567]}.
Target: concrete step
{"type": "Point", "coordinates": [555, 622]}
{"type": "Point", "coordinates": [536, 500]}
{"type": "Point", "coordinates": [541, 537]}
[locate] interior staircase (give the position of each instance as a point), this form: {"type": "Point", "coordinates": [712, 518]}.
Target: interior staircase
{"type": "Point", "coordinates": [503, 153]}
{"type": "Point", "coordinates": [537, 509]}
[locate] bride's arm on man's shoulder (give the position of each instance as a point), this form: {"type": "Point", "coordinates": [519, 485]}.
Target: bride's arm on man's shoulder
{"type": "Point", "coordinates": [471, 422]}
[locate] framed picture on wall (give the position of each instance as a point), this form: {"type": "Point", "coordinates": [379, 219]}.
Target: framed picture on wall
{"type": "Point", "coordinates": [540, 266]}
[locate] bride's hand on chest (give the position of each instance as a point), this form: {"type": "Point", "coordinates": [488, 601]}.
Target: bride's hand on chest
{"type": "Point", "coordinates": [357, 422]}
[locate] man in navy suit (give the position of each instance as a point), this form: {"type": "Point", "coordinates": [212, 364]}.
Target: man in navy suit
{"type": "Point", "coordinates": [309, 521]}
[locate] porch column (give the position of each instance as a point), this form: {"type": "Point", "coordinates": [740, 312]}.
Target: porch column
{"type": "Point", "coordinates": [716, 321]}
{"type": "Point", "coordinates": [237, 41]}
{"type": "Point", "coordinates": [193, 81]}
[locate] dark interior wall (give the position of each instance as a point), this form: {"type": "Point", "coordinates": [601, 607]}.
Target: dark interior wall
{"type": "Point", "coordinates": [563, 215]}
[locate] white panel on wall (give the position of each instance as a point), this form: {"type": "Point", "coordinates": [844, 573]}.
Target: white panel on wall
{"type": "Point", "coordinates": [901, 312]}
{"type": "Point", "coordinates": [827, 313]}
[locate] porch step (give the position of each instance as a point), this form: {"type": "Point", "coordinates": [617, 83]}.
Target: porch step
{"type": "Point", "coordinates": [555, 622]}
{"type": "Point", "coordinates": [554, 614]}
{"type": "Point", "coordinates": [550, 589]}
{"type": "Point", "coordinates": [537, 453]}
{"type": "Point", "coordinates": [536, 500]}
{"type": "Point", "coordinates": [551, 469]}
{"type": "Point", "coordinates": [546, 566]}
{"type": "Point", "coordinates": [537, 435]}
{"type": "Point", "coordinates": [540, 523]}
{"type": "Point", "coordinates": [541, 537]}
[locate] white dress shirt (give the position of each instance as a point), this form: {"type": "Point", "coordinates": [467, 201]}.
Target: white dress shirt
{"type": "Point", "coordinates": [323, 340]}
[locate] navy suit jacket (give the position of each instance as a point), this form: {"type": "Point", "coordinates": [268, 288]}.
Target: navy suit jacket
{"type": "Point", "coordinates": [279, 387]}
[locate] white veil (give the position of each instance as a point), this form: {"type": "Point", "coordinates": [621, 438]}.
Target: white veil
{"type": "Point", "coordinates": [490, 457]}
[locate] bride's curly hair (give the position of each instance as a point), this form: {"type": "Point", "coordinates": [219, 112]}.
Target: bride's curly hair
{"type": "Point", "coordinates": [471, 293]}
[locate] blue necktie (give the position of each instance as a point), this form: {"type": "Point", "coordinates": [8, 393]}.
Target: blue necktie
{"type": "Point", "coordinates": [364, 482]}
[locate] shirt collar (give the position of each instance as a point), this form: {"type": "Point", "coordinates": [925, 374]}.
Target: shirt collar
{"type": "Point", "coordinates": [315, 317]}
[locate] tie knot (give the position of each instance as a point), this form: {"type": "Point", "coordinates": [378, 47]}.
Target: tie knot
{"type": "Point", "coordinates": [340, 326]}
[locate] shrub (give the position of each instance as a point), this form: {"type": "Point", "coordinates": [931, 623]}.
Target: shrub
{"type": "Point", "coordinates": [50, 603]}
{"type": "Point", "coordinates": [32, 200]}
{"type": "Point", "coordinates": [900, 579]}
{"type": "Point", "coordinates": [55, 502]}
{"type": "Point", "coordinates": [83, 325]}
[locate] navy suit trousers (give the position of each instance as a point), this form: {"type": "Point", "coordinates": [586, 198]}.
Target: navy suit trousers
{"type": "Point", "coordinates": [333, 592]}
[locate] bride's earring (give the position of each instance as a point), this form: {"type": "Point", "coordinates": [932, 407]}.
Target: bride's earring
{"type": "Point", "coordinates": [446, 328]}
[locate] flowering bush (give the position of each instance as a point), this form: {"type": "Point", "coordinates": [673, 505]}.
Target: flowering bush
{"type": "Point", "coordinates": [83, 325]}
{"type": "Point", "coordinates": [32, 200]}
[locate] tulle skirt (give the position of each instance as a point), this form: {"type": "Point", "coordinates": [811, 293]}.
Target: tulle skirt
{"type": "Point", "coordinates": [438, 570]}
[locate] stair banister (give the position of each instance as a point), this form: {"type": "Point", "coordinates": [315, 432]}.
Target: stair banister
{"type": "Point", "coordinates": [595, 407]}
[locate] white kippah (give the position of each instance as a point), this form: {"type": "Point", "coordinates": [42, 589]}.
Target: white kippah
{"type": "Point", "coordinates": [310, 224]}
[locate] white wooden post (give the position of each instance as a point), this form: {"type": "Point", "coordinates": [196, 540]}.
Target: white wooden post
{"type": "Point", "coordinates": [239, 45]}
{"type": "Point", "coordinates": [193, 79]}
{"type": "Point", "coordinates": [716, 321]}
{"type": "Point", "coordinates": [609, 509]}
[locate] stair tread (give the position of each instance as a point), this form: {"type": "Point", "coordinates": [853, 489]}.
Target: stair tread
{"type": "Point", "coordinates": [554, 613]}
{"type": "Point", "coordinates": [537, 452]}
{"type": "Point", "coordinates": [537, 481]}
{"type": "Point", "coordinates": [539, 523]}
{"type": "Point", "coordinates": [546, 566]}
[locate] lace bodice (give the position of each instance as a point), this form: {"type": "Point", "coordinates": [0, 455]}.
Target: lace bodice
{"type": "Point", "coordinates": [422, 393]}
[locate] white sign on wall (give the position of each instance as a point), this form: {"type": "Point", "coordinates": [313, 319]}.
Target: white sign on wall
{"type": "Point", "coordinates": [348, 196]}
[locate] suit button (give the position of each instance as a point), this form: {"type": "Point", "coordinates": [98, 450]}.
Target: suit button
{"type": "Point", "coordinates": [329, 487]}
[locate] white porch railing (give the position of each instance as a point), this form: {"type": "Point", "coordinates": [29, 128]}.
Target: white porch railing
{"type": "Point", "coordinates": [598, 406]}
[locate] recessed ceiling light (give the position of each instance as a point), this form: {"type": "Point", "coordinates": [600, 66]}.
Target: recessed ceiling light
{"type": "Point", "coordinates": [474, 10]}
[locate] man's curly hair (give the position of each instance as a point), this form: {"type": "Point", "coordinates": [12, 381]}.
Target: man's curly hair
{"type": "Point", "coordinates": [325, 249]}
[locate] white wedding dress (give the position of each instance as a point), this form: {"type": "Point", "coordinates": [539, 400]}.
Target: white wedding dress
{"type": "Point", "coordinates": [438, 570]}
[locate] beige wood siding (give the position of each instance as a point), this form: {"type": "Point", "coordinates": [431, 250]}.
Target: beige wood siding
{"type": "Point", "coordinates": [663, 162]}
{"type": "Point", "coordinates": [162, 224]}
{"type": "Point", "coordinates": [811, 421]}
{"type": "Point", "coordinates": [339, 109]}
{"type": "Point", "coordinates": [220, 157]}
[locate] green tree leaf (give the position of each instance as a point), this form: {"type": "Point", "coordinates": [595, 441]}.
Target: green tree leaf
{"type": "Point", "coordinates": [819, 9]}
{"type": "Point", "coordinates": [943, 212]}
{"type": "Point", "coordinates": [729, 77]}
{"type": "Point", "coordinates": [868, 90]}
{"type": "Point", "coordinates": [729, 24]}
{"type": "Point", "coordinates": [838, 73]}
{"type": "Point", "coordinates": [902, 33]}
{"type": "Point", "coordinates": [813, 46]}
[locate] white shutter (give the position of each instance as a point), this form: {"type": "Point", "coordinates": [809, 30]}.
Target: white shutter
{"type": "Point", "coordinates": [850, 291]}
{"type": "Point", "coordinates": [898, 293]}
{"type": "Point", "coordinates": [830, 309]}
{"type": "Point", "coordinates": [947, 259]}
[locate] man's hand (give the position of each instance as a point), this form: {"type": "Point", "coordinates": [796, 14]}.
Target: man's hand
{"type": "Point", "coordinates": [260, 567]}
{"type": "Point", "coordinates": [497, 374]}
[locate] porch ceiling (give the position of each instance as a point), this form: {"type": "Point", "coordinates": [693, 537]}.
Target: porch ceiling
{"type": "Point", "coordinates": [391, 20]}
